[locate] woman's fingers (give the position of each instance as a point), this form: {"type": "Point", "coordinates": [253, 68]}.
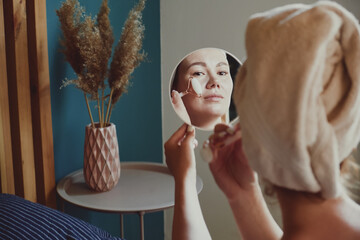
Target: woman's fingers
{"type": "Point", "coordinates": [175, 98]}
{"type": "Point", "coordinates": [220, 127]}
{"type": "Point", "coordinates": [224, 135]}
{"type": "Point", "coordinates": [189, 138]}
{"type": "Point", "coordinates": [178, 135]}
{"type": "Point", "coordinates": [179, 106]}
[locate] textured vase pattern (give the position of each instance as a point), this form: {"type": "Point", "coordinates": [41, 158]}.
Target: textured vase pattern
{"type": "Point", "coordinates": [101, 158]}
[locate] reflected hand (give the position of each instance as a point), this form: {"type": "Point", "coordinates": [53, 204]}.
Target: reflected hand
{"type": "Point", "coordinates": [179, 153]}
{"type": "Point", "coordinates": [179, 106]}
{"type": "Point", "coordinates": [229, 165]}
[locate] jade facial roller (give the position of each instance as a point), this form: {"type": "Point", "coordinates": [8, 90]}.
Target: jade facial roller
{"type": "Point", "coordinates": [195, 85]}
{"type": "Point", "coordinates": [231, 136]}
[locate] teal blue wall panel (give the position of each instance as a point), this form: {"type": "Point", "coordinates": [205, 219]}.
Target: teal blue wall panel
{"type": "Point", "coordinates": [137, 115]}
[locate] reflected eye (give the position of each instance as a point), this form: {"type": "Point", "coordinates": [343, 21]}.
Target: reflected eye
{"type": "Point", "coordinates": [222, 73]}
{"type": "Point", "coordinates": [198, 73]}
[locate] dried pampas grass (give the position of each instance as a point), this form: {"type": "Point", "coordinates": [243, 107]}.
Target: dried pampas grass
{"type": "Point", "coordinates": [127, 55]}
{"type": "Point", "coordinates": [87, 46]}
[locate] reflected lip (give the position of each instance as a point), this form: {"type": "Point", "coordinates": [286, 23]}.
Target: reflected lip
{"type": "Point", "coordinates": [213, 97]}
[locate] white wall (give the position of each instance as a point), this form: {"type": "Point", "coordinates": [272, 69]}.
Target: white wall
{"type": "Point", "coordinates": [187, 25]}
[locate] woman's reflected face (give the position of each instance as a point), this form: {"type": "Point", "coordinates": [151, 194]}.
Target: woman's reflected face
{"type": "Point", "coordinates": [211, 68]}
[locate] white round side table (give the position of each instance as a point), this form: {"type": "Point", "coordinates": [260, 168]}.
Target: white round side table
{"type": "Point", "coordinates": [143, 187]}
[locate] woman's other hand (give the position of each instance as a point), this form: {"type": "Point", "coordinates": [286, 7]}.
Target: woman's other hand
{"type": "Point", "coordinates": [229, 165]}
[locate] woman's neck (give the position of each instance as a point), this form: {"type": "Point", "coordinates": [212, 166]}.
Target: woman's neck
{"type": "Point", "coordinates": [208, 122]}
{"type": "Point", "coordinates": [310, 215]}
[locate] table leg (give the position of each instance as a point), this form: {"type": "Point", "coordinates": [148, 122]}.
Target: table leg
{"type": "Point", "coordinates": [141, 214]}
{"type": "Point", "coordinates": [121, 226]}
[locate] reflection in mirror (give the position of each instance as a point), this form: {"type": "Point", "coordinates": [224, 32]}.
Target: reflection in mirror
{"type": "Point", "coordinates": [201, 87]}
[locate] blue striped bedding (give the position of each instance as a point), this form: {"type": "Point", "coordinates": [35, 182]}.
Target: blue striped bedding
{"type": "Point", "coordinates": [22, 219]}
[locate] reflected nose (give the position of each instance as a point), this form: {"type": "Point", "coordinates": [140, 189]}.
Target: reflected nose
{"type": "Point", "coordinates": [213, 82]}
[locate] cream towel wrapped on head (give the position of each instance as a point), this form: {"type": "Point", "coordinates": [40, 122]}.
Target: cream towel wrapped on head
{"type": "Point", "coordinates": [297, 95]}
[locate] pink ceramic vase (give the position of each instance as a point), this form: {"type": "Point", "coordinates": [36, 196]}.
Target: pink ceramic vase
{"type": "Point", "coordinates": [101, 158]}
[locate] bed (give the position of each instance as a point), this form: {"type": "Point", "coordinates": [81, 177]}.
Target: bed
{"type": "Point", "coordinates": [23, 219]}
{"type": "Point", "coordinates": [27, 182]}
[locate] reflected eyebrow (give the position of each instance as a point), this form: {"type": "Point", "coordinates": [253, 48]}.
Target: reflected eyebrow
{"type": "Point", "coordinates": [221, 64]}
{"type": "Point", "coordinates": [196, 63]}
{"type": "Point", "coordinates": [204, 64]}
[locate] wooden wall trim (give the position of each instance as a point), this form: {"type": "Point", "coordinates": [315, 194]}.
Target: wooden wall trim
{"type": "Point", "coordinates": [6, 165]}
{"type": "Point", "coordinates": [27, 114]}
{"type": "Point", "coordinates": [19, 96]}
{"type": "Point", "coordinates": [41, 101]}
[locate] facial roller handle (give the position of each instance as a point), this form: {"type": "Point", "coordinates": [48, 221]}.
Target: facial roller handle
{"type": "Point", "coordinates": [206, 152]}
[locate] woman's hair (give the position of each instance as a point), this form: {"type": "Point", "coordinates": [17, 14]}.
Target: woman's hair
{"type": "Point", "coordinates": [269, 189]}
{"type": "Point", "coordinates": [175, 82]}
{"type": "Point", "coordinates": [350, 177]}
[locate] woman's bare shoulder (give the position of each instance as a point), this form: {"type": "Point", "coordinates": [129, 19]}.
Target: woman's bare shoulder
{"type": "Point", "coordinates": [340, 221]}
{"type": "Point", "coordinates": [329, 230]}
{"type": "Point", "coordinates": [346, 235]}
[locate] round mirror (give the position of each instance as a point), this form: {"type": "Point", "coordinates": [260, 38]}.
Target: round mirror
{"type": "Point", "coordinates": [201, 87]}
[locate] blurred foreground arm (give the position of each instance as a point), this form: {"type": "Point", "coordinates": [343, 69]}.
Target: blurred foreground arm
{"type": "Point", "coordinates": [237, 180]}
